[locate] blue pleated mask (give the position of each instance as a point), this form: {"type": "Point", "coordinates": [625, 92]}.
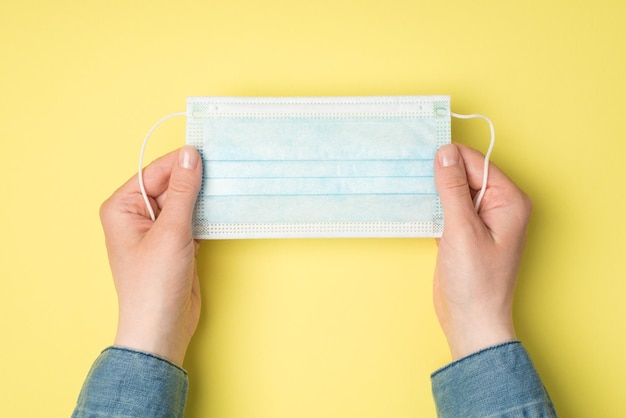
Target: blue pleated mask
{"type": "Point", "coordinates": [319, 166]}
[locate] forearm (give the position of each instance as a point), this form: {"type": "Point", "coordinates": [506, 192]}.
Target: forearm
{"type": "Point", "coordinates": [497, 381]}
{"type": "Point", "coordinates": [124, 382]}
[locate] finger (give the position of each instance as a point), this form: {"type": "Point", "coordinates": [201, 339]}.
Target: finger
{"type": "Point", "coordinates": [155, 176]}
{"type": "Point", "coordinates": [127, 200]}
{"type": "Point", "coordinates": [453, 188]}
{"type": "Point", "coordinates": [474, 165]}
{"type": "Point", "coordinates": [512, 204]}
{"type": "Point", "coordinates": [184, 184]}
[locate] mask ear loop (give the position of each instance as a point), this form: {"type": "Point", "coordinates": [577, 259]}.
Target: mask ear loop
{"type": "Point", "coordinates": [143, 149]}
{"type": "Point", "coordinates": [483, 188]}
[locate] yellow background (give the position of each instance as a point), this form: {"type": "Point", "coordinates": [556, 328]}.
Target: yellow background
{"type": "Point", "coordinates": [310, 328]}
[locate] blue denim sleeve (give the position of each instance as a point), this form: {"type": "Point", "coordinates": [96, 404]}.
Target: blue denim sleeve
{"type": "Point", "coordinates": [128, 383]}
{"type": "Point", "coordinates": [499, 381]}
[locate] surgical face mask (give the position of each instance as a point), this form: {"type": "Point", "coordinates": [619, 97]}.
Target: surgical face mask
{"type": "Point", "coordinates": [318, 166]}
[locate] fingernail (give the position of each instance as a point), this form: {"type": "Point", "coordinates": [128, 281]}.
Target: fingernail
{"type": "Point", "coordinates": [188, 157]}
{"type": "Point", "coordinates": [448, 155]}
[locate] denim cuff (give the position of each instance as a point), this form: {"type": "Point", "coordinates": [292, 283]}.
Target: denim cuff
{"type": "Point", "coordinates": [494, 382]}
{"type": "Point", "coordinates": [123, 382]}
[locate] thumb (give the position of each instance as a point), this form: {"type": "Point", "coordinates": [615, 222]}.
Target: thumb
{"type": "Point", "coordinates": [453, 188]}
{"type": "Point", "coordinates": [182, 191]}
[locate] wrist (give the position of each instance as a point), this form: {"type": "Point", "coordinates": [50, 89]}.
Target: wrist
{"type": "Point", "coordinates": [153, 339]}
{"type": "Point", "coordinates": [472, 336]}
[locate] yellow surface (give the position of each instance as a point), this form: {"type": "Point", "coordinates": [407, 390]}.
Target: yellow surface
{"type": "Point", "coordinates": [310, 328]}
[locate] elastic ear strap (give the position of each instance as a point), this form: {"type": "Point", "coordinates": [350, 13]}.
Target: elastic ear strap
{"type": "Point", "coordinates": [479, 198]}
{"type": "Point", "coordinates": [143, 149]}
